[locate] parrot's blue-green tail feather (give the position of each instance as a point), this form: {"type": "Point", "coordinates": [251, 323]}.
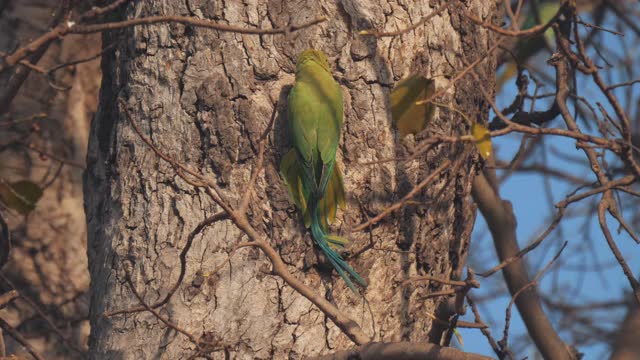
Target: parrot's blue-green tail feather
{"type": "Point", "coordinates": [336, 260]}
{"type": "Point", "coordinates": [318, 213]}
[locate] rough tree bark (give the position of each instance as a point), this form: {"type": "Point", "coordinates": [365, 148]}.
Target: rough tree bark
{"type": "Point", "coordinates": [204, 97]}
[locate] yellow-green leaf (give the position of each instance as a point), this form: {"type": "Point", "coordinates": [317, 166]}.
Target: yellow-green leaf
{"type": "Point", "coordinates": [459, 337]}
{"type": "Point", "coordinates": [20, 196]}
{"type": "Point", "coordinates": [408, 117]}
{"type": "Point", "coordinates": [482, 138]}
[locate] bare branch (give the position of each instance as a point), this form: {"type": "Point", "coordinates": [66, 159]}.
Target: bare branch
{"type": "Point", "coordinates": [485, 330]}
{"type": "Point", "coordinates": [404, 199]}
{"type": "Point", "coordinates": [602, 206]}
{"type": "Point", "coordinates": [402, 350]}
{"type": "Point", "coordinates": [44, 316]}
{"type": "Point", "coordinates": [150, 20]}
{"type": "Point", "coordinates": [20, 339]}
{"type": "Point", "coordinates": [533, 283]}
{"type": "Point", "coordinates": [533, 31]}
{"type": "Point", "coordinates": [436, 12]}
{"type": "Point", "coordinates": [626, 345]}
{"type": "Point", "coordinates": [501, 221]}
{"type": "Point", "coordinates": [8, 297]}
{"type": "Point", "coordinates": [71, 28]}
{"type": "Point", "coordinates": [183, 265]}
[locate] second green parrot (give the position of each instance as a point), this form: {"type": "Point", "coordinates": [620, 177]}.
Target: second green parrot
{"type": "Point", "coordinates": [526, 48]}
{"type": "Point", "coordinates": [309, 169]}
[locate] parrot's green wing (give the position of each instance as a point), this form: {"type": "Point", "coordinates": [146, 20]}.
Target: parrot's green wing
{"type": "Point", "coordinates": [334, 196]}
{"type": "Point", "coordinates": [329, 129]}
{"type": "Point", "coordinates": [303, 128]}
{"type": "Point", "coordinates": [293, 173]}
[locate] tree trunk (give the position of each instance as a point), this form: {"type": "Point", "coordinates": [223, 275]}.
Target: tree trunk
{"type": "Point", "coordinates": [204, 98]}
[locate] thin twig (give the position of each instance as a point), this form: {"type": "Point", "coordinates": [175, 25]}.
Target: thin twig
{"type": "Point", "coordinates": [534, 282]}
{"type": "Point", "coordinates": [8, 297]}
{"type": "Point", "coordinates": [150, 20]}
{"type": "Point", "coordinates": [71, 28]}
{"type": "Point", "coordinates": [433, 279]}
{"type": "Point", "coordinates": [508, 261]}
{"type": "Point", "coordinates": [155, 313]}
{"type": "Point", "coordinates": [406, 198]}
{"type": "Point", "coordinates": [380, 34]}
{"type": "Point", "coordinates": [47, 154]}
{"type": "Point", "coordinates": [20, 339]}
{"type": "Point", "coordinates": [593, 26]}
{"type": "Point", "coordinates": [532, 31]}
{"type": "Point", "coordinates": [219, 198]}
{"type": "Point", "coordinates": [402, 350]}
{"type": "Point", "coordinates": [485, 330]}
{"type": "Point", "coordinates": [13, 85]}
{"type": "Point", "coordinates": [44, 316]}
{"type": "Point", "coordinates": [183, 265]}
{"type": "Point", "coordinates": [602, 206]}
{"type": "Point", "coordinates": [95, 56]}
{"type": "Point", "coordinates": [244, 204]}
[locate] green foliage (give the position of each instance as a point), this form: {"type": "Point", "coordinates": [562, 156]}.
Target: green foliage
{"type": "Point", "coordinates": [20, 196]}
{"type": "Point", "coordinates": [482, 138]}
{"type": "Point", "coordinates": [411, 110]}
{"type": "Point", "coordinates": [409, 117]}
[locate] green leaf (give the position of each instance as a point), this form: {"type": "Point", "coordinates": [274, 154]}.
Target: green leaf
{"type": "Point", "coordinates": [407, 116]}
{"type": "Point", "coordinates": [459, 337]}
{"type": "Point", "coordinates": [20, 196]}
{"type": "Point", "coordinates": [482, 138]}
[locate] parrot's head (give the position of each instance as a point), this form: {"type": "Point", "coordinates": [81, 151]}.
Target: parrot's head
{"type": "Point", "coordinates": [312, 55]}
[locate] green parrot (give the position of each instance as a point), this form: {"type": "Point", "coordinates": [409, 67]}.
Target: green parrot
{"type": "Point", "coordinates": [526, 48]}
{"type": "Point", "coordinates": [541, 12]}
{"type": "Point", "coordinates": [309, 169]}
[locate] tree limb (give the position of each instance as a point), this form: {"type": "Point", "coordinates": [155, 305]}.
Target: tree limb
{"type": "Point", "coordinates": [402, 350]}
{"type": "Point", "coordinates": [502, 224]}
{"type": "Point", "coordinates": [627, 346]}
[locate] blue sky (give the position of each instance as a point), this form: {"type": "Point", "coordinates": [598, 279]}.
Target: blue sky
{"type": "Point", "coordinates": [533, 196]}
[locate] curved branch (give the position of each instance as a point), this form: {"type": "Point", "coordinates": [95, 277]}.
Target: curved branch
{"type": "Point", "coordinates": [402, 350]}
{"type": "Point", "coordinates": [627, 346]}
{"type": "Point", "coordinates": [445, 165]}
{"type": "Point", "coordinates": [20, 339]}
{"type": "Point", "coordinates": [502, 224]}
{"type": "Point", "coordinates": [71, 28]}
